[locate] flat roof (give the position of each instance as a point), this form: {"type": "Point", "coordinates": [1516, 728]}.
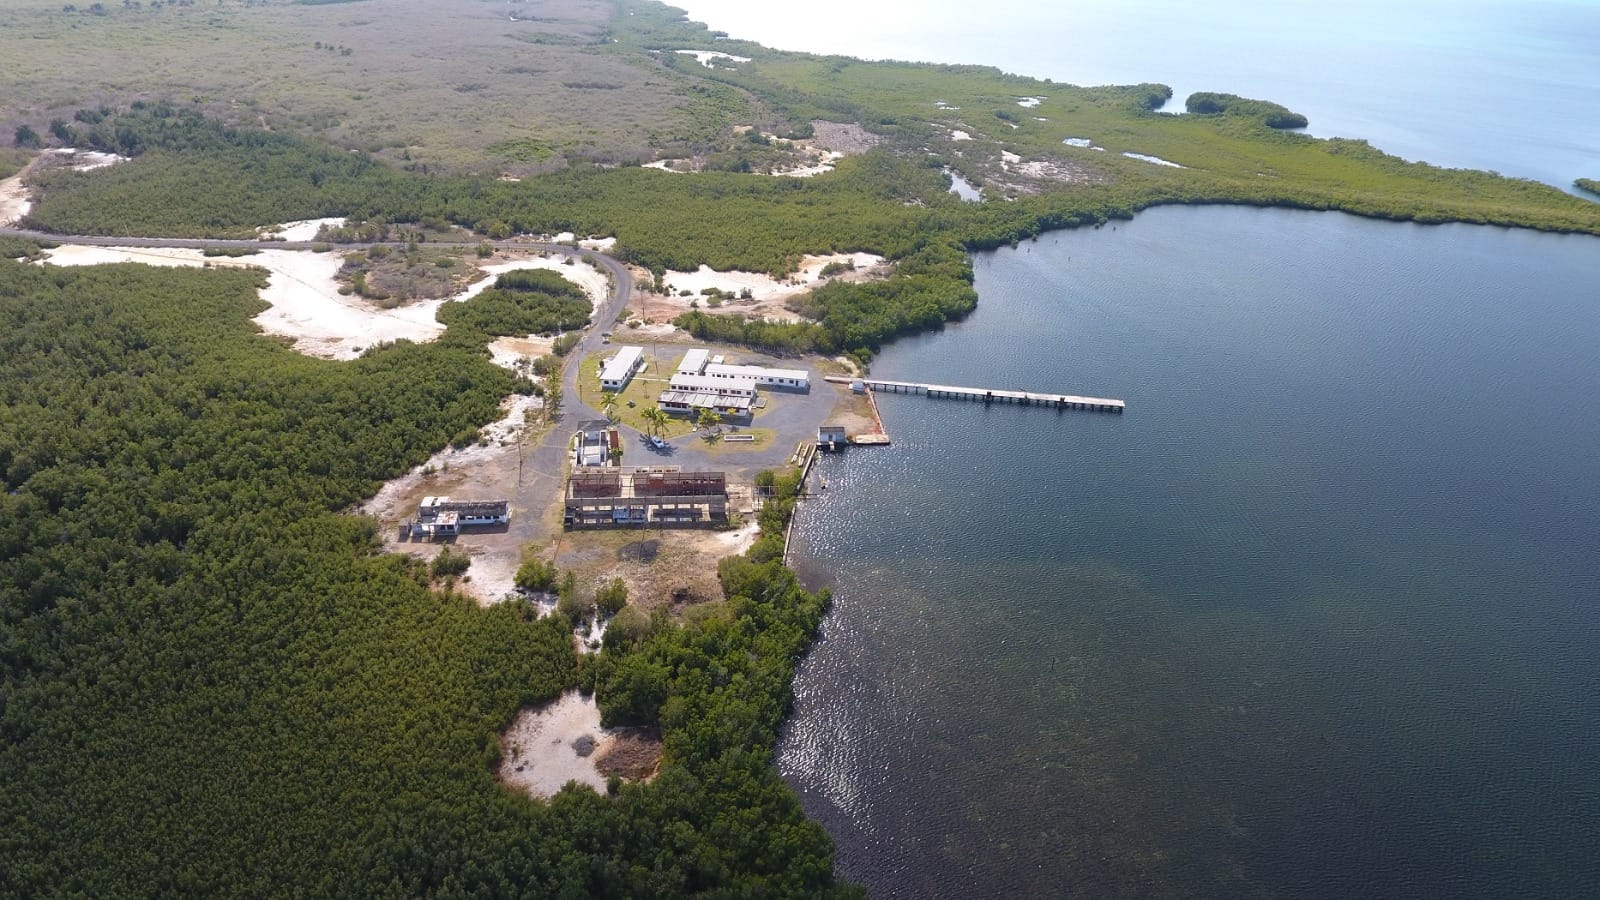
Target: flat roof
{"type": "Point", "coordinates": [709, 384]}
{"type": "Point", "coordinates": [694, 362]}
{"type": "Point", "coordinates": [619, 367]}
{"type": "Point", "coordinates": [704, 399]}
{"type": "Point", "coordinates": [731, 371]}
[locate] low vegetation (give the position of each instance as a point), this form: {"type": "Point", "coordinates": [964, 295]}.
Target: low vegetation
{"type": "Point", "coordinates": [1588, 184]}
{"type": "Point", "coordinates": [519, 303]}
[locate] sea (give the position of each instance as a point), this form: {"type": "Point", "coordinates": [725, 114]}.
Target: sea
{"type": "Point", "coordinates": [1319, 616]}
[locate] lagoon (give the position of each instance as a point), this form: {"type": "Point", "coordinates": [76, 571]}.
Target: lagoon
{"type": "Point", "coordinates": [1319, 616]}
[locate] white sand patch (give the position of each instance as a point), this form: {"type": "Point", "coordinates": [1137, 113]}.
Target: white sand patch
{"type": "Point", "coordinates": [662, 165]}
{"type": "Point", "coordinates": [600, 244]}
{"type": "Point", "coordinates": [704, 57]}
{"type": "Point", "coordinates": [1013, 125]}
{"type": "Point", "coordinates": [737, 541]}
{"type": "Point", "coordinates": [89, 160]}
{"type": "Point", "coordinates": [595, 283]}
{"type": "Point", "coordinates": [1084, 143]}
{"type": "Point", "coordinates": [761, 285]}
{"type": "Point", "coordinates": [305, 301]}
{"type": "Point", "coordinates": [304, 230]}
{"type": "Point", "coordinates": [508, 352]}
{"type": "Point", "coordinates": [767, 294]}
{"type": "Point", "coordinates": [562, 238]}
{"type": "Point", "coordinates": [538, 752]}
{"type": "Point", "coordinates": [1040, 119]}
{"type": "Point", "coordinates": [14, 202]}
{"type": "Point", "coordinates": [940, 104]}
{"type": "Point", "coordinates": [1029, 102]}
{"type": "Point", "coordinates": [959, 135]}
{"type": "Point", "coordinates": [1152, 159]}
{"type": "Point", "coordinates": [1040, 169]}
{"type": "Point", "coordinates": [807, 171]}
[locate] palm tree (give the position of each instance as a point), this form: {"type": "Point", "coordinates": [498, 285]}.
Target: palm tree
{"type": "Point", "coordinates": [608, 405]}
{"type": "Point", "coordinates": [709, 418]}
{"type": "Point", "coordinates": [657, 419]}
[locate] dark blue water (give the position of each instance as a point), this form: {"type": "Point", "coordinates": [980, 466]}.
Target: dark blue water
{"type": "Point", "coordinates": [1319, 616]}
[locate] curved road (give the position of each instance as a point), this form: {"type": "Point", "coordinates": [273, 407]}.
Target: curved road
{"type": "Point", "coordinates": [544, 463]}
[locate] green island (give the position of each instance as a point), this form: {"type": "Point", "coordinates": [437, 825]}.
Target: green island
{"type": "Point", "coordinates": [1588, 184]}
{"type": "Point", "coordinates": [213, 679]}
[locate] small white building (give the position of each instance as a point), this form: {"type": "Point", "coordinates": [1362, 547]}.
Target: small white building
{"type": "Point", "coordinates": [694, 362]}
{"type": "Point", "coordinates": [616, 372]}
{"type": "Point", "coordinates": [793, 379]}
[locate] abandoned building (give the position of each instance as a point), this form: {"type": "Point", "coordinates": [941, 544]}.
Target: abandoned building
{"type": "Point", "coordinates": [441, 516]}
{"type": "Point", "coordinates": [645, 496]}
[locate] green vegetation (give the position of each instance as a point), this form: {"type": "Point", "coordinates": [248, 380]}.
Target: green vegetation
{"type": "Point", "coordinates": [1588, 184]}
{"type": "Point", "coordinates": [211, 682]}
{"type": "Point", "coordinates": [891, 201]}
{"type": "Point", "coordinates": [1270, 114]}
{"type": "Point", "coordinates": [521, 302]}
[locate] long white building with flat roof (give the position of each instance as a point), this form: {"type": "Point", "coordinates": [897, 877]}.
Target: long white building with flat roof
{"type": "Point", "coordinates": [694, 362]}
{"type": "Point", "coordinates": [795, 379]}
{"type": "Point", "coordinates": [618, 370]}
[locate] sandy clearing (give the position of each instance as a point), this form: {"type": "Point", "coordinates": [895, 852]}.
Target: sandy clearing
{"type": "Point", "coordinates": [767, 294]}
{"type": "Point", "coordinates": [506, 352]}
{"type": "Point", "coordinates": [829, 157]}
{"type": "Point", "coordinates": [600, 244]}
{"type": "Point", "coordinates": [301, 290]}
{"type": "Point", "coordinates": [1030, 102]}
{"type": "Point", "coordinates": [14, 200]}
{"type": "Point", "coordinates": [595, 283]}
{"type": "Point", "coordinates": [483, 470]}
{"type": "Point", "coordinates": [959, 135]}
{"type": "Point", "coordinates": [539, 751]}
{"type": "Point", "coordinates": [304, 230]}
{"type": "Point", "coordinates": [663, 165]}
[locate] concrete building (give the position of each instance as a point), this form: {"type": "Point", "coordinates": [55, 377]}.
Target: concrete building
{"type": "Point", "coordinates": [590, 448]}
{"type": "Point", "coordinates": [831, 437]}
{"type": "Point", "coordinates": [645, 496]}
{"type": "Point", "coordinates": [688, 394]}
{"type": "Point", "coordinates": [760, 376]}
{"type": "Point", "coordinates": [616, 372]}
{"type": "Point", "coordinates": [694, 362]}
{"type": "Point", "coordinates": [441, 516]}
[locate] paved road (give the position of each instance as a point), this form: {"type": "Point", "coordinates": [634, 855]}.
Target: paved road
{"type": "Point", "coordinates": [543, 463]}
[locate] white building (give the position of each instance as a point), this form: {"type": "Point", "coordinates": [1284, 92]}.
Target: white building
{"type": "Point", "coordinates": [794, 379]}
{"type": "Point", "coordinates": [712, 385]}
{"type": "Point", "coordinates": [688, 394]}
{"type": "Point", "coordinates": [694, 362]}
{"type": "Point", "coordinates": [619, 369]}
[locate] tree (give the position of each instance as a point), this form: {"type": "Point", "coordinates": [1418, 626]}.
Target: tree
{"type": "Point", "coordinates": [656, 418]}
{"type": "Point", "coordinates": [709, 418]}
{"type": "Point", "coordinates": [27, 137]}
{"type": "Point", "coordinates": [608, 405]}
{"type": "Point", "coordinates": [612, 597]}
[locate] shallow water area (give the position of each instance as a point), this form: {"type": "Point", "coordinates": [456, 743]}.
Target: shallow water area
{"type": "Point", "coordinates": [1317, 616]}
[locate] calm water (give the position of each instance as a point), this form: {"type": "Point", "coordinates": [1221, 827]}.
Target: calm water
{"type": "Point", "coordinates": [1318, 616]}
{"type": "Point", "coordinates": [1485, 84]}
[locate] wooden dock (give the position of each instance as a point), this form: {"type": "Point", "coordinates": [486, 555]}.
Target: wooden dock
{"type": "Point", "coordinates": [988, 395]}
